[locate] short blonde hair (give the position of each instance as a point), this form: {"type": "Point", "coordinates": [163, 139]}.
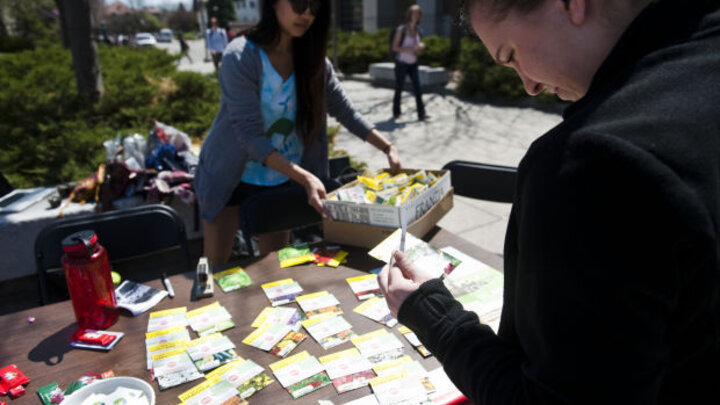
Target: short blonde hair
{"type": "Point", "coordinates": [409, 12]}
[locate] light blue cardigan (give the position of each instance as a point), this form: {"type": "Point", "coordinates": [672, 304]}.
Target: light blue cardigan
{"type": "Point", "coordinates": [237, 133]}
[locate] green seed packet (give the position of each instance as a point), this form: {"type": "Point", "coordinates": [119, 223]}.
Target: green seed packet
{"type": "Point", "coordinates": [232, 279]}
{"type": "Point", "coordinates": [255, 384]}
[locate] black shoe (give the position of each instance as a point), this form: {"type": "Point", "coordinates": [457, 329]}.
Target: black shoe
{"type": "Point", "coordinates": [424, 118]}
{"type": "Point", "coordinates": [396, 116]}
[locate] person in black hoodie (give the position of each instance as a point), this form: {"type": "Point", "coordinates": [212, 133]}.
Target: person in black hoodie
{"type": "Point", "coordinates": [612, 258]}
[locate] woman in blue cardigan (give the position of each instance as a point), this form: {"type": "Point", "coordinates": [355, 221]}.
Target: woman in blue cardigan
{"type": "Point", "coordinates": [269, 143]}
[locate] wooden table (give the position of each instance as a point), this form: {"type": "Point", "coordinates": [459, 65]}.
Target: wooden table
{"type": "Point", "coordinates": [41, 349]}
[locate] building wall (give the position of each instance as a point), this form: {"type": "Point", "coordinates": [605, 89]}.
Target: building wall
{"type": "Point", "coordinates": [350, 15]}
{"type": "Point", "coordinates": [247, 11]}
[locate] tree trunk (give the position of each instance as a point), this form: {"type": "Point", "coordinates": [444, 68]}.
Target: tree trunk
{"type": "Point", "coordinates": [78, 25]}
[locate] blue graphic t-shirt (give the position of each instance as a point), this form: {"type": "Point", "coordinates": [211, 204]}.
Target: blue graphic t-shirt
{"type": "Point", "coordinates": [279, 105]}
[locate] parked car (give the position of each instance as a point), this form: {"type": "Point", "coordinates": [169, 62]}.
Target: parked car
{"type": "Point", "coordinates": [145, 39]}
{"type": "Point", "coordinates": [165, 35]}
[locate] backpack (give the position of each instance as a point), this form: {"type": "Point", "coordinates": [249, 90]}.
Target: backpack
{"type": "Point", "coordinates": [403, 29]}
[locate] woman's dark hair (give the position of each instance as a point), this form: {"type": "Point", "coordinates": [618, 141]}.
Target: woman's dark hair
{"type": "Point", "coordinates": [498, 9]}
{"type": "Point", "coordinates": [308, 63]}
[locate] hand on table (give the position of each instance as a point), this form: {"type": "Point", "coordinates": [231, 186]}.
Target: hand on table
{"type": "Point", "coordinates": [399, 279]}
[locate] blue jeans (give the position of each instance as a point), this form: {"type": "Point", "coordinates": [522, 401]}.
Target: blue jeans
{"type": "Point", "coordinates": [401, 70]}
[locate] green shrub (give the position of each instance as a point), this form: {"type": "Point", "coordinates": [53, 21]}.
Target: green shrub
{"type": "Point", "coordinates": [357, 50]}
{"type": "Point", "coordinates": [49, 136]}
{"type": "Point", "coordinates": [480, 74]}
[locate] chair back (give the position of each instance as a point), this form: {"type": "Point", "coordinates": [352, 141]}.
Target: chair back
{"type": "Point", "coordinates": [483, 181]}
{"type": "Point", "coordinates": [126, 234]}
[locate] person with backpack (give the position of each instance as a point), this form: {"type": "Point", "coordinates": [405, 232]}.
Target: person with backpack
{"type": "Point", "coordinates": [406, 44]}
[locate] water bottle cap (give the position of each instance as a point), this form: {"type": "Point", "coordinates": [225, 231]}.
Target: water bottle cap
{"type": "Point", "coordinates": [79, 241]}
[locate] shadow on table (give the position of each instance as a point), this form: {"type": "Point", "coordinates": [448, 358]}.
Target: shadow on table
{"type": "Point", "coordinates": [54, 346]}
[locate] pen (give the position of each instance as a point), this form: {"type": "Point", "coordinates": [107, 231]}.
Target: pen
{"type": "Point", "coordinates": [168, 286]}
{"type": "Point", "coordinates": [403, 225]}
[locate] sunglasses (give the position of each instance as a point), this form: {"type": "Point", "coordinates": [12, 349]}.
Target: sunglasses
{"type": "Point", "coordinates": [299, 6]}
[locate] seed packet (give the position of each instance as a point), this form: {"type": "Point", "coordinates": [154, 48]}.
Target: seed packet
{"type": "Point", "coordinates": [281, 315]}
{"type": "Point", "coordinates": [287, 344]}
{"type": "Point", "coordinates": [321, 302]}
{"type": "Point", "coordinates": [364, 287]}
{"type": "Point", "coordinates": [300, 374]}
{"type": "Point", "coordinates": [399, 388]}
{"type": "Point", "coordinates": [445, 391]}
{"type": "Point", "coordinates": [414, 341]}
{"type": "Point", "coordinates": [295, 255]}
{"type": "Point", "coordinates": [377, 309]}
{"type": "Point", "coordinates": [154, 350]}
{"type": "Point", "coordinates": [347, 369]}
{"type": "Point", "coordinates": [267, 335]}
{"type": "Point", "coordinates": [50, 394]}
{"type": "Point", "coordinates": [244, 374]}
{"type": "Point", "coordinates": [232, 279]}
{"type": "Point", "coordinates": [103, 340]}
{"type": "Point", "coordinates": [329, 256]}
{"type": "Point", "coordinates": [423, 255]}
{"type": "Point", "coordinates": [84, 380]}
{"type": "Point", "coordinates": [379, 346]}
{"type": "Point", "coordinates": [210, 319]}
{"type": "Point", "coordinates": [213, 391]}
{"type": "Point", "coordinates": [409, 368]}
{"type": "Point", "coordinates": [169, 318]}
{"type": "Point", "coordinates": [179, 333]}
{"type": "Point", "coordinates": [173, 368]}
{"type": "Point", "coordinates": [211, 351]}
{"type": "Point", "coordinates": [329, 330]}
{"type": "Point", "coordinates": [282, 291]}
{"type": "Point", "coordinates": [354, 194]}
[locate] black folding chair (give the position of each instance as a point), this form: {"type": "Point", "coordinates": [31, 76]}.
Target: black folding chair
{"type": "Point", "coordinates": [482, 181]}
{"type": "Point", "coordinates": [134, 239]}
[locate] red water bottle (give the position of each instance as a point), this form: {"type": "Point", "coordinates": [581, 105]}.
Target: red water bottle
{"type": "Point", "coordinates": [87, 272]}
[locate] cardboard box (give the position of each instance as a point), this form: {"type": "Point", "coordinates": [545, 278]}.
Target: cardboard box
{"type": "Point", "coordinates": [386, 215]}
{"type": "Point", "coordinates": [368, 236]}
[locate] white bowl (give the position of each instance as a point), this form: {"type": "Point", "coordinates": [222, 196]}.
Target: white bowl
{"type": "Point", "coordinates": [108, 386]}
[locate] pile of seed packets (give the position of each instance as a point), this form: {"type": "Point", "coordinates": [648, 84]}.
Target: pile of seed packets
{"type": "Point", "coordinates": [173, 357]}
{"type": "Point", "coordinates": [331, 256]}
{"type": "Point", "coordinates": [383, 188]}
{"type": "Point", "coordinates": [278, 331]}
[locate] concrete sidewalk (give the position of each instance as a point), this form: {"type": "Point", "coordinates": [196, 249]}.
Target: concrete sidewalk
{"type": "Point", "coordinates": [458, 130]}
